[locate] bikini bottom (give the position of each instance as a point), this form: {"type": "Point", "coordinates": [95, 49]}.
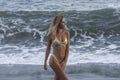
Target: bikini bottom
{"type": "Point", "coordinates": [56, 58]}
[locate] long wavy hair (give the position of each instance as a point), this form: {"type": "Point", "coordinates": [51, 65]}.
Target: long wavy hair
{"type": "Point", "coordinates": [54, 25]}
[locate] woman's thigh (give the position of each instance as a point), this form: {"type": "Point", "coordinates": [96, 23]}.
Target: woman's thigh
{"type": "Point", "coordinates": [55, 65]}
{"type": "Point", "coordinates": [57, 68]}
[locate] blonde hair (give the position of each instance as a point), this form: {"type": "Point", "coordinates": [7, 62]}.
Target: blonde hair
{"type": "Point", "coordinates": [54, 25]}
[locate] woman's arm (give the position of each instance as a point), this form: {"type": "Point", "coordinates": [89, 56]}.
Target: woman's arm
{"type": "Point", "coordinates": [67, 47]}
{"type": "Point", "coordinates": [49, 40]}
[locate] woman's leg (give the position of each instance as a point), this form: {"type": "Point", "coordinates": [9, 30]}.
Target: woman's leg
{"type": "Point", "coordinates": [57, 69]}
{"type": "Point", "coordinates": [56, 77]}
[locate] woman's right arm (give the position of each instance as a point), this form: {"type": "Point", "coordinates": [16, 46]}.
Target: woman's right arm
{"type": "Point", "coordinates": [49, 42]}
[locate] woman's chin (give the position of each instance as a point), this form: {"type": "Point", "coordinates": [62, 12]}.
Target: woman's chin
{"type": "Point", "coordinates": [62, 27]}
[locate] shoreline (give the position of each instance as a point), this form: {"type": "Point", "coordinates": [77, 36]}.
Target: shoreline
{"type": "Point", "coordinates": [88, 71]}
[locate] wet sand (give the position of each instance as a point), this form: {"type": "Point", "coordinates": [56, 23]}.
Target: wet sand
{"type": "Point", "coordinates": [36, 72]}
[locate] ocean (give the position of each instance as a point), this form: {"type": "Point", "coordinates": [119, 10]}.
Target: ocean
{"type": "Point", "coordinates": [94, 27]}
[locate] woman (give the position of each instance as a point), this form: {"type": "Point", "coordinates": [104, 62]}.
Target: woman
{"type": "Point", "coordinates": [59, 39]}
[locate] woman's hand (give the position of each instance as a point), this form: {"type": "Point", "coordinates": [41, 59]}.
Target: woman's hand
{"type": "Point", "coordinates": [63, 64]}
{"type": "Point", "coordinates": [45, 66]}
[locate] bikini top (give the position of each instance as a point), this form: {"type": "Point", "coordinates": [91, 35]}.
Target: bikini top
{"type": "Point", "coordinates": [56, 42]}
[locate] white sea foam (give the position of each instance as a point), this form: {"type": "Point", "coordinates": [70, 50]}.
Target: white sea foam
{"type": "Point", "coordinates": [11, 54]}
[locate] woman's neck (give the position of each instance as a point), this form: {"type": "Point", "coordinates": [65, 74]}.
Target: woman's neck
{"type": "Point", "coordinates": [60, 29]}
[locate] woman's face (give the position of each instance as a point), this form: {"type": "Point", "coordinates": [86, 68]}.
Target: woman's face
{"type": "Point", "coordinates": [63, 23]}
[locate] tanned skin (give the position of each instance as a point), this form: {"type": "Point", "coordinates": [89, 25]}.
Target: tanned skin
{"type": "Point", "coordinates": [61, 51]}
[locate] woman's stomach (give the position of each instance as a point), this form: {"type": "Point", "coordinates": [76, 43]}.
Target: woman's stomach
{"type": "Point", "coordinates": [59, 52]}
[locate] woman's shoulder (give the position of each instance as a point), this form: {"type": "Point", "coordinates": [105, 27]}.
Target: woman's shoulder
{"type": "Point", "coordinates": [50, 36]}
{"type": "Point", "coordinates": [67, 32]}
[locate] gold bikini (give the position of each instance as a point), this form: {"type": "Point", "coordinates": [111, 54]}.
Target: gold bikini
{"type": "Point", "coordinates": [56, 43]}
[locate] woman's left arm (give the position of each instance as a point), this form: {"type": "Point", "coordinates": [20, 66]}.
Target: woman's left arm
{"type": "Point", "coordinates": [67, 47]}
